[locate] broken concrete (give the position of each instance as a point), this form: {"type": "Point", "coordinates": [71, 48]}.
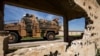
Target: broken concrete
{"type": "Point", "coordinates": [91, 38]}
{"type": "Point", "coordinates": [81, 48]}
{"type": "Point", "coordinates": [55, 49]}
{"type": "Point", "coordinates": [3, 43]}
{"type": "Point", "coordinates": [92, 8]}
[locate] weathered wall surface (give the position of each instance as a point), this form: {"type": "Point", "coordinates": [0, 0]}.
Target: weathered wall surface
{"type": "Point", "coordinates": [3, 43]}
{"type": "Point", "coordinates": [54, 49]}
{"type": "Point", "coordinates": [92, 32]}
{"type": "Point", "coordinates": [1, 46]}
{"type": "Point", "coordinates": [81, 48]}
{"type": "Point", "coordinates": [92, 8]}
{"type": "Point", "coordinates": [77, 48]}
{"type": "Point", "coordinates": [91, 39]}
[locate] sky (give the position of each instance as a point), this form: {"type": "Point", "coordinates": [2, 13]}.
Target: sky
{"type": "Point", "coordinates": [14, 14]}
{"type": "Point", "coordinates": [77, 24]}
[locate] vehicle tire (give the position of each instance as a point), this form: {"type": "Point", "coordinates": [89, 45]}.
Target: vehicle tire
{"type": "Point", "coordinates": [50, 36]}
{"type": "Point", "coordinates": [13, 38]}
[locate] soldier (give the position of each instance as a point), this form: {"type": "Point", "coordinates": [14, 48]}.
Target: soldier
{"type": "Point", "coordinates": [56, 20]}
{"type": "Point", "coordinates": [28, 23]}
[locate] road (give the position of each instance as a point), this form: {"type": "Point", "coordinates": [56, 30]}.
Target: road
{"type": "Point", "coordinates": [24, 44]}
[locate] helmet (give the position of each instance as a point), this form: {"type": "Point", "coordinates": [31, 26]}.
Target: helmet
{"type": "Point", "coordinates": [27, 15]}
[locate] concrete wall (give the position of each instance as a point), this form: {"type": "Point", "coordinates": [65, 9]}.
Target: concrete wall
{"type": "Point", "coordinates": [91, 38]}
{"type": "Point", "coordinates": [81, 48]}
{"type": "Point", "coordinates": [3, 43]}
{"type": "Point", "coordinates": [54, 49]}
{"type": "Point", "coordinates": [70, 33]}
{"type": "Point", "coordinates": [61, 31]}
{"type": "Point", "coordinates": [92, 31]}
{"type": "Point", "coordinates": [77, 48]}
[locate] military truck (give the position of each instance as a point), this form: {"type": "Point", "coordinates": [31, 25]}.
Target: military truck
{"type": "Point", "coordinates": [33, 27]}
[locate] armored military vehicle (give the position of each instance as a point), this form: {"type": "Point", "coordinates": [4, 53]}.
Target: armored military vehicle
{"type": "Point", "coordinates": [34, 27]}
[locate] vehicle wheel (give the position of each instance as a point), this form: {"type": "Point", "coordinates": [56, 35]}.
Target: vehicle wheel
{"type": "Point", "coordinates": [13, 38]}
{"type": "Point", "coordinates": [50, 36]}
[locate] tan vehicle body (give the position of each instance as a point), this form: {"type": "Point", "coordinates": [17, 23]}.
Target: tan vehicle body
{"type": "Point", "coordinates": [40, 28]}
